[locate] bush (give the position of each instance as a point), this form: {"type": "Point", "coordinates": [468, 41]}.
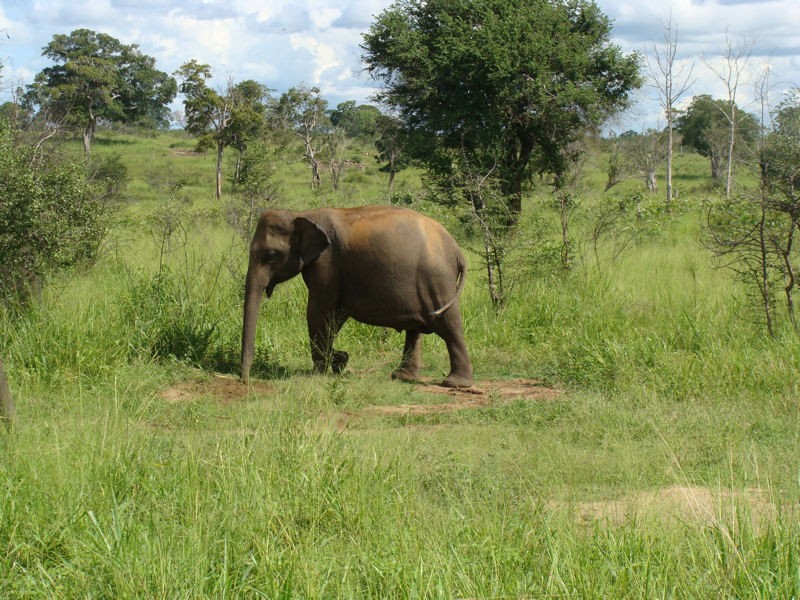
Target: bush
{"type": "Point", "coordinates": [49, 216]}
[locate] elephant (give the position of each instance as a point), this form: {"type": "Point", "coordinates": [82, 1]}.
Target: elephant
{"type": "Point", "coordinates": [386, 266]}
{"type": "Point", "coordinates": [6, 402]}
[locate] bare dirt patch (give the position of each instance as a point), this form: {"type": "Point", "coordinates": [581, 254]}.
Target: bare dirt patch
{"type": "Point", "coordinates": [483, 393]}
{"type": "Point", "coordinates": [186, 153]}
{"type": "Point", "coordinates": [683, 503]}
{"type": "Point", "coordinates": [224, 389]}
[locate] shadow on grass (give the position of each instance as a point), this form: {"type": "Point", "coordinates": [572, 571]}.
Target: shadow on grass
{"type": "Point", "coordinates": [103, 141]}
{"type": "Point", "coordinates": [227, 363]}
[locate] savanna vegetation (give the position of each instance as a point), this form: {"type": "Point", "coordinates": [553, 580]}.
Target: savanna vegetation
{"type": "Point", "coordinates": [634, 423]}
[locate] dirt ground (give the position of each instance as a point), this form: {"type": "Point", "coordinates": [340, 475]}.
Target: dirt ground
{"type": "Point", "coordinates": [697, 504]}
{"type": "Point", "coordinates": [694, 504]}
{"type": "Point", "coordinates": [483, 393]}
{"type": "Point", "coordinates": [227, 389]}
{"type": "Point", "coordinates": [223, 388]}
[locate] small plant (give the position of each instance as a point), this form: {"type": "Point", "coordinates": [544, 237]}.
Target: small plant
{"type": "Point", "coordinates": [168, 320]}
{"type": "Point", "coordinates": [254, 188]}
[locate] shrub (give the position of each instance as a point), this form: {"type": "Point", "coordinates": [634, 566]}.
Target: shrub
{"type": "Point", "coordinates": [49, 216]}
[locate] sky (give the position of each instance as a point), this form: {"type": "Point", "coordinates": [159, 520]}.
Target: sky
{"type": "Point", "coordinates": [285, 43]}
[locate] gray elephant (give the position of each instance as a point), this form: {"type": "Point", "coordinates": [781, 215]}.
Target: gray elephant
{"type": "Point", "coordinates": [6, 403]}
{"type": "Point", "coordinates": [380, 265]}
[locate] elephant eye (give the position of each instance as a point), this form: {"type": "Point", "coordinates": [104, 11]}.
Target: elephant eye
{"type": "Point", "coordinates": [270, 256]}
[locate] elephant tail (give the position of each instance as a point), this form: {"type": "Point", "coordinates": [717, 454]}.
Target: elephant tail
{"type": "Point", "coordinates": [462, 278]}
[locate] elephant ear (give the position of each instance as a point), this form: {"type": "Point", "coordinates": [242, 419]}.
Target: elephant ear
{"type": "Point", "coordinates": [308, 240]}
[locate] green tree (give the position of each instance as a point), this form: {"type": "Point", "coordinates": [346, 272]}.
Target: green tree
{"type": "Point", "coordinates": [754, 232]}
{"type": "Point", "coordinates": [780, 168]}
{"type": "Point", "coordinates": [302, 110]}
{"type": "Point", "coordinates": [219, 120]}
{"type": "Point", "coordinates": [359, 121]}
{"type": "Point", "coordinates": [254, 186]}
{"type": "Point", "coordinates": [705, 127]}
{"type": "Point", "coordinates": [506, 86]}
{"type": "Point", "coordinates": [391, 142]}
{"type": "Point", "coordinates": [638, 155]}
{"type": "Point", "coordinates": [337, 144]}
{"type": "Point", "coordinates": [96, 77]}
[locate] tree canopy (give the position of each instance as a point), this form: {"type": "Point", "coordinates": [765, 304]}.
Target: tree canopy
{"type": "Point", "coordinates": [231, 118]}
{"type": "Point", "coordinates": [303, 110]}
{"type": "Point", "coordinates": [705, 127]}
{"type": "Point", "coordinates": [357, 120]}
{"type": "Point", "coordinates": [508, 85]}
{"type": "Point", "coordinates": [781, 156]}
{"type": "Point", "coordinates": [97, 77]}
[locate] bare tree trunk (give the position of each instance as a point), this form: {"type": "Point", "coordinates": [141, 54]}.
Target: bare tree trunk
{"type": "Point", "coordinates": [789, 274]}
{"type": "Point", "coordinates": [736, 57]}
{"type": "Point", "coordinates": [392, 168]}
{"type": "Point", "coordinates": [493, 261]}
{"type": "Point", "coordinates": [88, 134]}
{"type": "Point", "coordinates": [652, 182]}
{"type": "Point", "coordinates": [220, 150]}
{"type": "Point", "coordinates": [565, 214]}
{"type": "Point", "coordinates": [313, 162]}
{"type": "Point", "coordinates": [670, 150]}
{"type": "Point", "coordinates": [315, 178]}
{"type": "Point", "coordinates": [6, 403]}
{"type": "Point", "coordinates": [714, 166]}
{"type": "Point", "coordinates": [671, 85]}
{"type": "Point", "coordinates": [731, 145]}
{"type": "Point", "coordinates": [764, 272]}
{"type": "Point", "coordinates": [337, 169]}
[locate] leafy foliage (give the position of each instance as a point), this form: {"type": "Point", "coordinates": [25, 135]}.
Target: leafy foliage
{"type": "Point", "coordinates": [303, 111]}
{"type": "Point", "coordinates": [96, 77]}
{"type": "Point", "coordinates": [705, 128]}
{"type": "Point", "coordinates": [509, 84]}
{"type": "Point", "coordinates": [391, 146]}
{"type": "Point", "coordinates": [755, 232]}
{"type": "Point", "coordinates": [637, 155]}
{"type": "Point", "coordinates": [359, 121]}
{"type": "Point", "coordinates": [234, 118]}
{"type": "Point", "coordinates": [50, 217]}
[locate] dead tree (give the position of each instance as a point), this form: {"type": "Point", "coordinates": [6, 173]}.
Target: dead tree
{"type": "Point", "coordinates": [672, 79]}
{"type": "Point", "coordinates": [6, 402]}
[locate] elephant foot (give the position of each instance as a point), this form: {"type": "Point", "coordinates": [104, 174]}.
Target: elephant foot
{"type": "Point", "coordinates": [404, 374]}
{"type": "Point", "coordinates": [339, 361]}
{"type": "Point", "coordinates": [457, 381]}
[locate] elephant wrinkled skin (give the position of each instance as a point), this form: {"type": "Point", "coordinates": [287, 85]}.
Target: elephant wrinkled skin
{"type": "Point", "coordinates": [380, 265]}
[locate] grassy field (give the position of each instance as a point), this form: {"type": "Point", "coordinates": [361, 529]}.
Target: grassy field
{"type": "Point", "coordinates": [632, 433]}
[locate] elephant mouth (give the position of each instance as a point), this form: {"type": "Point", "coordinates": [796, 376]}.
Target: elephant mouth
{"type": "Point", "coordinates": [270, 288]}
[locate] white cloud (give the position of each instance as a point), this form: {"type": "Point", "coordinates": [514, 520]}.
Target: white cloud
{"type": "Point", "coordinates": [324, 57]}
{"type": "Point", "coordinates": [283, 43]}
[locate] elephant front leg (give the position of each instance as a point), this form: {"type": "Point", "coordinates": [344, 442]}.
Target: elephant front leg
{"type": "Point", "coordinates": [322, 330]}
{"type": "Point", "coordinates": [410, 363]}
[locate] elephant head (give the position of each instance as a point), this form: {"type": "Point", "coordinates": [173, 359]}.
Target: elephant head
{"type": "Point", "coordinates": [283, 245]}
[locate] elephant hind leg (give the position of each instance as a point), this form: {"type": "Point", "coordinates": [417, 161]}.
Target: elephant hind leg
{"type": "Point", "coordinates": [449, 327]}
{"type": "Point", "coordinates": [410, 363]}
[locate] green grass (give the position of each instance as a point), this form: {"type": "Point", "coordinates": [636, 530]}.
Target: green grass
{"type": "Point", "coordinates": [302, 488]}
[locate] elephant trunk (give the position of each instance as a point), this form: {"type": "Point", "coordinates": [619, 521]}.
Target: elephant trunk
{"type": "Point", "coordinates": [252, 302]}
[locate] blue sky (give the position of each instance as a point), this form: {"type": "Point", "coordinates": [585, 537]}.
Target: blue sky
{"type": "Point", "coordinates": [283, 43]}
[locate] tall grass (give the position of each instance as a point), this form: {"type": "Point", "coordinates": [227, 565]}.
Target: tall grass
{"type": "Point", "coordinates": [109, 488]}
{"type": "Point", "coordinates": [109, 505]}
